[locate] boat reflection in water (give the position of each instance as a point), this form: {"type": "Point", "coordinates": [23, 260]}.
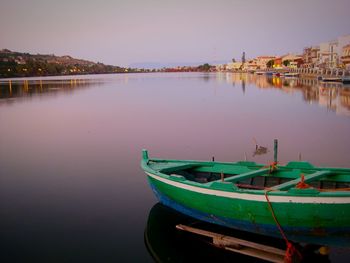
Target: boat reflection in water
{"type": "Point", "coordinates": [165, 243]}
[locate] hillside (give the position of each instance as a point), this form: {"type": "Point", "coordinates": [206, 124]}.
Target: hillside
{"type": "Point", "coordinates": [17, 64]}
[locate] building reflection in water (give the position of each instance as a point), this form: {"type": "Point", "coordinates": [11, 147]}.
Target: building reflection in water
{"type": "Point", "coordinates": [10, 89]}
{"type": "Point", "coordinates": [334, 96]}
{"type": "Point", "coordinates": [243, 85]}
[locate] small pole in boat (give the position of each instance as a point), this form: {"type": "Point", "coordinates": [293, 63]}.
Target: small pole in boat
{"type": "Point", "coordinates": [222, 177]}
{"type": "Point", "coordinates": [213, 159]}
{"type": "Point", "coordinates": [245, 156]}
{"type": "Point", "coordinates": [275, 148]}
{"type": "Point", "coordinates": [299, 157]}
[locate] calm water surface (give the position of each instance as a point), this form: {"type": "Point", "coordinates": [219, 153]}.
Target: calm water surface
{"type": "Point", "coordinates": [71, 187]}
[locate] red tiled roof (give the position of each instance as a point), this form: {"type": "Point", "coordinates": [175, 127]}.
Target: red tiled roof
{"type": "Point", "coordinates": [266, 57]}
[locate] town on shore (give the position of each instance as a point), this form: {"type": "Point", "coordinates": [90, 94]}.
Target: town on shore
{"type": "Point", "coordinates": [329, 59]}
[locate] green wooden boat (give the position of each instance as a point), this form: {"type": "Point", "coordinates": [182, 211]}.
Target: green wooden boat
{"type": "Point", "coordinates": [257, 198]}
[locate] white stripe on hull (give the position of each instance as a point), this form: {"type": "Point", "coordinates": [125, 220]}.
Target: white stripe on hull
{"type": "Point", "coordinates": [255, 197]}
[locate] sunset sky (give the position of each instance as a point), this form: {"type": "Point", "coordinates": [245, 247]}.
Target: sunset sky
{"type": "Point", "coordinates": [125, 32]}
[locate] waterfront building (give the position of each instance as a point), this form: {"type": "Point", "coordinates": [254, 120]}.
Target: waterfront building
{"type": "Point", "coordinates": [250, 65]}
{"type": "Point", "coordinates": [234, 66]}
{"type": "Point", "coordinates": [345, 58]}
{"type": "Point", "coordinates": [278, 63]}
{"type": "Point", "coordinates": [294, 60]}
{"type": "Point", "coordinates": [342, 42]}
{"type": "Point", "coordinates": [331, 52]}
{"type": "Point", "coordinates": [221, 67]}
{"type": "Point", "coordinates": [311, 56]}
{"type": "Point", "coordinates": [261, 61]}
{"type": "Point", "coordinates": [328, 56]}
{"type": "Point", "coordinates": [333, 55]}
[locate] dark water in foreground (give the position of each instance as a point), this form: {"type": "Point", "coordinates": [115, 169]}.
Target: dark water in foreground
{"type": "Point", "coordinates": [71, 187]}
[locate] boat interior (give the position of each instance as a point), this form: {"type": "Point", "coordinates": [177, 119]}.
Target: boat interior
{"type": "Point", "coordinates": [249, 175]}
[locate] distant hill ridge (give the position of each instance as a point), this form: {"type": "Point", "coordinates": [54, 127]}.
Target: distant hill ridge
{"type": "Point", "coordinates": [18, 64]}
{"type": "Point", "coordinates": [50, 58]}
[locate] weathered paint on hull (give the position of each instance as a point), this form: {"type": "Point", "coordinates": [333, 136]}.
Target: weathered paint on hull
{"type": "Point", "coordinates": [301, 222]}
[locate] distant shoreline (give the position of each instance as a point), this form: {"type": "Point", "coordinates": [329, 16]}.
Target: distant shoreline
{"type": "Point", "coordinates": [88, 75]}
{"type": "Point", "coordinates": [67, 75]}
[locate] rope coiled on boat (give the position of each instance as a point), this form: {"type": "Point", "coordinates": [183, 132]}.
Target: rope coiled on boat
{"type": "Point", "coordinates": [302, 184]}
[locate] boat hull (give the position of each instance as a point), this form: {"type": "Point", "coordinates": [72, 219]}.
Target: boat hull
{"type": "Point", "coordinates": [301, 221]}
{"type": "Point", "coordinates": [330, 79]}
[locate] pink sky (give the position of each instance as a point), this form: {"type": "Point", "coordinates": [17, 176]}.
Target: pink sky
{"type": "Point", "coordinates": [133, 31]}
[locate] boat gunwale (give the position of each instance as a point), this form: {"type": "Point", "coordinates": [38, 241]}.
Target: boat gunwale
{"type": "Point", "coordinates": [254, 164]}
{"type": "Point", "coordinates": [215, 185]}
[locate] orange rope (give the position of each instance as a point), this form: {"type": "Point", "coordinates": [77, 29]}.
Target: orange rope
{"type": "Point", "coordinates": [272, 166]}
{"type": "Point", "coordinates": [302, 184]}
{"type": "Point", "coordinates": [290, 249]}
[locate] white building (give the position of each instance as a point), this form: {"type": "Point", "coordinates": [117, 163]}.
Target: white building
{"type": "Point", "coordinates": [234, 66]}
{"type": "Point", "coordinates": [261, 61]}
{"type": "Point", "coordinates": [327, 55]}
{"type": "Point", "coordinates": [331, 52]}
{"type": "Point", "coordinates": [342, 42]}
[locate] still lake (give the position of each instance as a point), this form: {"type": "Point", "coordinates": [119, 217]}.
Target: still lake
{"type": "Point", "coordinates": [71, 186]}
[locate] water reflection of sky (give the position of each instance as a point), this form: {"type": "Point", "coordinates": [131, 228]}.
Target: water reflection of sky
{"type": "Point", "coordinates": [69, 163]}
{"type": "Point", "coordinates": [333, 96]}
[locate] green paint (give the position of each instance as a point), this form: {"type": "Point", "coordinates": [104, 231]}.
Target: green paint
{"type": "Point", "coordinates": [314, 214]}
{"type": "Point", "coordinates": [291, 214]}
